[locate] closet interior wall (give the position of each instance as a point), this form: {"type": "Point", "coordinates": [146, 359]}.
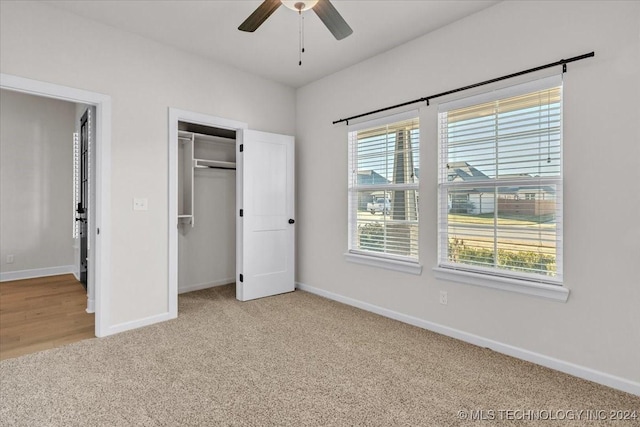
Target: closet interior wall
{"type": "Point", "coordinates": [206, 205]}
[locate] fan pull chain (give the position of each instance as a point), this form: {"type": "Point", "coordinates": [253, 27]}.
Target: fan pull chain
{"type": "Point", "coordinates": [300, 38]}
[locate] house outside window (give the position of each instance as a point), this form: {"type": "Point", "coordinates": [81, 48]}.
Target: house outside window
{"type": "Point", "coordinates": [500, 184]}
{"type": "Point", "coordinates": [383, 188]}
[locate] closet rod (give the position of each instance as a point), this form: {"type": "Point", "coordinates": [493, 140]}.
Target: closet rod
{"type": "Point", "coordinates": [215, 167]}
{"type": "Point", "coordinates": [426, 99]}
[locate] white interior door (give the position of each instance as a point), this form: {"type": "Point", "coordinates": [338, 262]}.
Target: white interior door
{"type": "Point", "coordinates": [265, 253]}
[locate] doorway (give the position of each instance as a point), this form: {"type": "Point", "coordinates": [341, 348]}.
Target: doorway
{"type": "Point", "coordinates": [82, 191]}
{"type": "Point", "coordinates": [99, 231]}
{"type": "Point", "coordinates": [206, 207]}
{"type": "Point", "coordinates": [179, 215]}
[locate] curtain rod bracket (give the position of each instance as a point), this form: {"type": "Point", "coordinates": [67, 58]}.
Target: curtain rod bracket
{"type": "Point", "coordinates": [564, 67]}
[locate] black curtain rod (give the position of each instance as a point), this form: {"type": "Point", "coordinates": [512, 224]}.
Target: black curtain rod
{"type": "Point", "coordinates": [426, 99]}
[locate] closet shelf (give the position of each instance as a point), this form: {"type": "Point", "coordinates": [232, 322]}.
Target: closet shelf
{"type": "Point", "coordinates": [183, 134]}
{"type": "Point", "coordinates": [198, 151]}
{"type": "Point", "coordinates": [202, 163]}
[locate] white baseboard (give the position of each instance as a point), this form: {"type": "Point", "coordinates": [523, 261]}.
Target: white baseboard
{"type": "Point", "coordinates": [91, 306]}
{"type": "Point", "coordinates": [200, 286]}
{"type": "Point", "coordinates": [589, 374]}
{"type": "Point", "coordinates": [135, 324]}
{"type": "Point", "coordinates": [37, 272]}
{"type": "Point", "coordinates": [162, 317]}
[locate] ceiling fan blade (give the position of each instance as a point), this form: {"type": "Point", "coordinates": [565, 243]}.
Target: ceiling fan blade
{"type": "Point", "coordinates": [332, 19]}
{"type": "Point", "coordinates": [259, 15]}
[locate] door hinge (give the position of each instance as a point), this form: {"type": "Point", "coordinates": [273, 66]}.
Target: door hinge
{"type": "Point", "coordinates": [241, 278]}
{"type": "Point", "coordinates": [241, 212]}
{"type": "Point", "coordinates": [97, 231]}
{"type": "Point", "coordinates": [241, 148]}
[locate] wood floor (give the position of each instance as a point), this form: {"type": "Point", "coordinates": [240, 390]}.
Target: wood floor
{"type": "Point", "coordinates": [42, 313]}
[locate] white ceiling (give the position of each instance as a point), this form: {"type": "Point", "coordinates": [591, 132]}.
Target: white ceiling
{"type": "Point", "coordinates": [209, 29]}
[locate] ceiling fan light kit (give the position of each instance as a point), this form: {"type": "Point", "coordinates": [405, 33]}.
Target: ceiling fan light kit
{"type": "Point", "coordinates": [299, 6]}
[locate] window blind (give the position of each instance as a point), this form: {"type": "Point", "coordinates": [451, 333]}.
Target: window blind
{"type": "Point", "coordinates": [500, 183]}
{"type": "Point", "coordinates": [383, 187]}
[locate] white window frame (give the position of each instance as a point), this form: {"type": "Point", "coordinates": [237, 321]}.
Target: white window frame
{"type": "Point", "coordinates": [531, 284]}
{"type": "Point", "coordinates": [382, 260]}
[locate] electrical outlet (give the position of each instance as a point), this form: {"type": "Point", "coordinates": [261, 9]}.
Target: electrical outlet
{"type": "Point", "coordinates": [10, 259]}
{"type": "Point", "coordinates": [443, 297]}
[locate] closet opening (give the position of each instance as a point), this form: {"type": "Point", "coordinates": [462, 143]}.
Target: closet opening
{"type": "Point", "coordinates": [202, 225]}
{"type": "Point", "coordinates": [206, 206]}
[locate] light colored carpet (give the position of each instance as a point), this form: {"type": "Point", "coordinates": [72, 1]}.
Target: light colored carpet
{"type": "Point", "coordinates": [295, 359]}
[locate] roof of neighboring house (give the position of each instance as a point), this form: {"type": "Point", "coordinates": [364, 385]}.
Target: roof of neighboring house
{"type": "Point", "coordinates": [371, 177]}
{"type": "Point", "coordinates": [463, 171]}
{"type": "Point", "coordinates": [528, 188]}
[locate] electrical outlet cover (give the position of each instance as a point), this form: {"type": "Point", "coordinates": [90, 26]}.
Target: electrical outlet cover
{"type": "Point", "coordinates": [443, 297]}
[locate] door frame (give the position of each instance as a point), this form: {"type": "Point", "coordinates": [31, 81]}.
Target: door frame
{"type": "Point", "coordinates": [100, 231]}
{"type": "Point", "coordinates": [176, 115]}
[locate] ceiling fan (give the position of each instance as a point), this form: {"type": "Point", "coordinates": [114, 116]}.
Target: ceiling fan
{"type": "Point", "coordinates": [323, 8]}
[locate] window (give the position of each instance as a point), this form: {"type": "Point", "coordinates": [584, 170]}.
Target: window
{"type": "Point", "coordinates": [383, 188]}
{"type": "Point", "coordinates": [500, 184]}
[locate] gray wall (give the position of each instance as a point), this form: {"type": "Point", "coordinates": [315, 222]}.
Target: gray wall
{"type": "Point", "coordinates": [599, 327]}
{"type": "Point", "coordinates": [36, 182]}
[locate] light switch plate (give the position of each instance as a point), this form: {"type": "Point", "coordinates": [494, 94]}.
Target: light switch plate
{"type": "Point", "coordinates": [140, 204]}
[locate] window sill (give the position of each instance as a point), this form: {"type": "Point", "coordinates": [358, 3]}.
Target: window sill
{"type": "Point", "coordinates": [542, 290]}
{"type": "Point", "coordinates": [387, 264]}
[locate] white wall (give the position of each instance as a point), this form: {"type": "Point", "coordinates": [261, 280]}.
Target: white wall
{"type": "Point", "coordinates": [599, 327]}
{"type": "Point", "coordinates": [143, 78]}
{"type": "Point", "coordinates": [36, 182]}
